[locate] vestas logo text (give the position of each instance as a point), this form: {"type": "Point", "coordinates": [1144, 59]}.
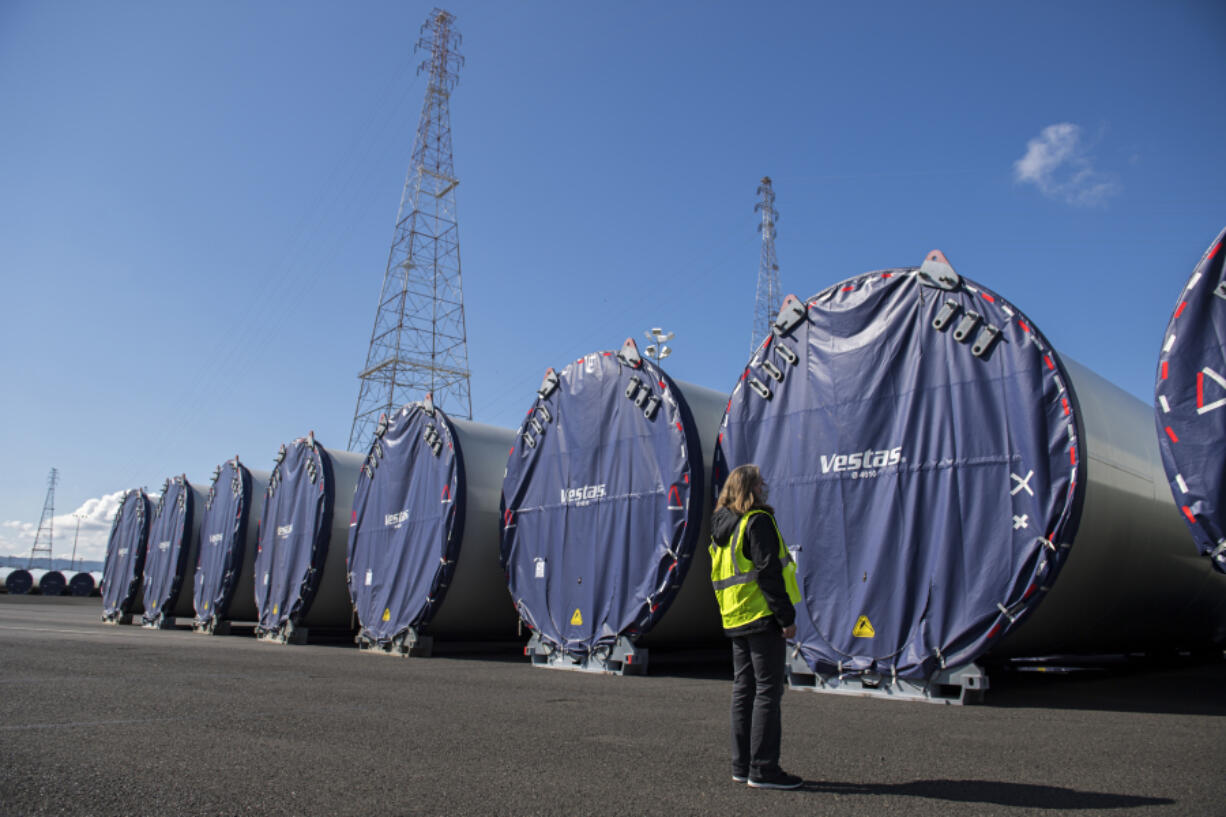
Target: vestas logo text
{"type": "Point", "coordinates": [861, 459]}
{"type": "Point", "coordinates": [584, 495]}
{"type": "Point", "coordinates": [164, 545]}
{"type": "Point", "coordinates": [285, 530]}
{"type": "Point", "coordinates": [395, 518]}
{"type": "Point", "coordinates": [216, 538]}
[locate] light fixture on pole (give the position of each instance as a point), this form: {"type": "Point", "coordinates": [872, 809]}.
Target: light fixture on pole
{"type": "Point", "coordinates": [659, 349]}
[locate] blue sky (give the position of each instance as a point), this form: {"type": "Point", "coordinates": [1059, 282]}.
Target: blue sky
{"type": "Point", "coordinates": [197, 199]}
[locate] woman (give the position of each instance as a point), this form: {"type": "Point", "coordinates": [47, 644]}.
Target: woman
{"type": "Point", "coordinates": [755, 584]}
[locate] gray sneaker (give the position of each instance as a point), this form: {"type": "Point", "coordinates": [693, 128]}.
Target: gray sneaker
{"type": "Point", "coordinates": [779, 780]}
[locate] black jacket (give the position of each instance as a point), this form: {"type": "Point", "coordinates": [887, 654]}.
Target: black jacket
{"type": "Point", "coordinates": [761, 546]}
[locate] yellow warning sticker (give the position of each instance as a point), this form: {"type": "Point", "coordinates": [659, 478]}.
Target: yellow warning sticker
{"type": "Point", "coordinates": [206, 607]}
{"type": "Point", "coordinates": [387, 614]}
{"type": "Point", "coordinates": [274, 608]}
{"type": "Point", "coordinates": [577, 619]}
{"type": "Point", "coordinates": [863, 628]}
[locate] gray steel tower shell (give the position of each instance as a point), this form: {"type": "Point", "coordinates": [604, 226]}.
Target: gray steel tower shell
{"type": "Point", "coordinates": [419, 343]}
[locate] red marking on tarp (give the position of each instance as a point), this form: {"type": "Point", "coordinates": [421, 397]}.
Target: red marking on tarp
{"type": "Point", "coordinates": [663, 385]}
{"type": "Point", "coordinates": [1029, 591]}
{"type": "Point", "coordinates": [1213, 251]}
{"type": "Point", "coordinates": [1170, 433]}
{"type": "Point", "coordinates": [1179, 311]}
{"type": "Point", "coordinates": [1200, 389]}
{"type": "Point", "coordinates": [679, 428]}
{"type": "Point", "coordinates": [446, 492]}
{"type": "Point", "coordinates": [608, 354]}
{"type": "Point", "coordinates": [988, 297]}
{"type": "Point", "coordinates": [686, 478]}
{"type": "Point", "coordinates": [674, 495]}
{"type": "Point", "coordinates": [1072, 455]}
{"type": "Point", "coordinates": [654, 607]}
{"type": "Point", "coordinates": [506, 518]}
{"type": "Point", "coordinates": [1047, 360]}
{"type": "Point", "coordinates": [720, 438]}
{"type": "Point", "coordinates": [745, 374]}
{"type": "Point", "coordinates": [887, 275]}
{"type": "Point", "coordinates": [1188, 513]}
{"type": "Point", "coordinates": [1022, 324]}
{"type": "Point", "coordinates": [728, 408]}
{"type": "Point", "coordinates": [512, 451]}
{"type": "Point", "coordinates": [848, 289]}
{"type": "Point", "coordinates": [994, 631]}
{"type": "Point", "coordinates": [353, 517]}
{"type": "Point", "coordinates": [1164, 369]}
{"type": "Point", "coordinates": [1064, 400]}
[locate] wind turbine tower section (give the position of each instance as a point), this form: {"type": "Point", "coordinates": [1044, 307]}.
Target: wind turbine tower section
{"type": "Point", "coordinates": [769, 298]}
{"type": "Point", "coordinates": [419, 344]}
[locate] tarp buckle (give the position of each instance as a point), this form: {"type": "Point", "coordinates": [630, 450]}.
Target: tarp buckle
{"type": "Point", "coordinates": [786, 353]}
{"type": "Point", "coordinates": [760, 387]}
{"type": "Point", "coordinates": [983, 343]}
{"type": "Point", "coordinates": [653, 404]}
{"type": "Point", "coordinates": [946, 314]}
{"type": "Point", "coordinates": [1221, 290]}
{"type": "Point", "coordinates": [772, 370]}
{"type": "Point", "coordinates": [965, 326]}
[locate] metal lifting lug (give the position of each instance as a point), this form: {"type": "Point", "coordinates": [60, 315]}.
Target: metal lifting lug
{"type": "Point", "coordinates": [436, 447]}
{"type": "Point", "coordinates": [772, 370]}
{"type": "Point", "coordinates": [653, 405]}
{"type": "Point", "coordinates": [790, 316]}
{"type": "Point", "coordinates": [548, 385]}
{"type": "Point", "coordinates": [427, 405]}
{"type": "Point", "coordinates": [528, 440]}
{"type": "Point", "coordinates": [381, 428]}
{"type": "Point", "coordinates": [946, 314]}
{"type": "Point", "coordinates": [378, 448]}
{"type": "Point", "coordinates": [641, 397]}
{"type": "Point", "coordinates": [629, 354]}
{"type": "Point", "coordinates": [983, 344]}
{"type": "Point", "coordinates": [544, 414]}
{"type": "Point", "coordinates": [1221, 290]}
{"type": "Point", "coordinates": [760, 387]}
{"type": "Point", "coordinates": [632, 388]}
{"type": "Point", "coordinates": [787, 354]}
{"type": "Point", "coordinates": [536, 426]}
{"type": "Point", "coordinates": [281, 454]}
{"type": "Point", "coordinates": [936, 271]}
{"type": "Point", "coordinates": [965, 326]}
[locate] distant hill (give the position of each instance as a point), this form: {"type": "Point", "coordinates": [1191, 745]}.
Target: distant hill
{"type": "Point", "coordinates": [62, 565]}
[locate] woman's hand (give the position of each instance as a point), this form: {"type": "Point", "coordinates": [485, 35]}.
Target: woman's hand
{"type": "Point", "coordinates": [789, 631]}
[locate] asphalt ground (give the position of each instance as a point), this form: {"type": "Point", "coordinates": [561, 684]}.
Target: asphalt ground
{"type": "Point", "coordinates": [105, 720]}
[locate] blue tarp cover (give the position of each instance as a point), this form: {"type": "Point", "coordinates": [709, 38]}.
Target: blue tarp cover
{"type": "Point", "coordinates": [407, 524]}
{"type": "Point", "coordinates": [167, 559]}
{"type": "Point", "coordinates": [915, 482]}
{"type": "Point", "coordinates": [125, 554]}
{"type": "Point", "coordinates": [295, 529]}
{"type": "Point", "coordinates": [223, 539]}
{"type": "Point", "coordinates": [1190, 404]}
{"type": "Point", "coordinates": [600, 504]}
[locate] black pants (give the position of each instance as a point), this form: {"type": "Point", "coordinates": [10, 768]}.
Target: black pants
{"type": "Point", "coordinates": [757, 690]}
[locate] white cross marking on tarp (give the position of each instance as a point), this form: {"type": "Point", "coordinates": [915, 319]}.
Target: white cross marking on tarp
{"type": "Point", "coordinates": [1021, 521]}
{"type": "Point", "coordinates": [1221, 381]}
{"type": "Point", "coordinates": [1023, 484]}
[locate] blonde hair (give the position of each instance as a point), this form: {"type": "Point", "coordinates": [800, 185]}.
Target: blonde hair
{"type": "Point", "coordinates": [742, 492]}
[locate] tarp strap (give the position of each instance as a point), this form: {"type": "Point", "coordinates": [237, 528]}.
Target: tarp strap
{"type": "Point", "coordinates": [1219, 550]}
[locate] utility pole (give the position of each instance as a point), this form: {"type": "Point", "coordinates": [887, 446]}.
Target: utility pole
{"type": "Point", "coordinates": [419, 344]}
{"type": "Point", "coordinates": [46, 523]}
{"type": "Point", "coordinates": [769, 298]}
{"type": "Point", "coordinates": [75, 536]}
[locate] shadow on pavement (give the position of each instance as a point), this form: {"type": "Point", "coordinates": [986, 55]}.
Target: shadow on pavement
{"type": "Point", "coordinates": [990, 791]}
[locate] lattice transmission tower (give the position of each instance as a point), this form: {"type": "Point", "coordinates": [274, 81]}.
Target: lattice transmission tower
{"type": "Point", "coordinates": [769, 298]}
{"type": "Point", "coordinates": [419, 343]}
{"type": "Point", "coordinates": [46, 523]}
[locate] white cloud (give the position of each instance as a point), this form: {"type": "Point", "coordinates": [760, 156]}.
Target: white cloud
{"type": "Point", "coordinates": [1059, 164]}
{"type": "Point", "coordinates": [17, 537]}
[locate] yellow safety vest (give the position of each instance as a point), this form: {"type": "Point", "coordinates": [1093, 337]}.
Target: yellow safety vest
{"type": "Point", "coordinates": [735, 578]}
